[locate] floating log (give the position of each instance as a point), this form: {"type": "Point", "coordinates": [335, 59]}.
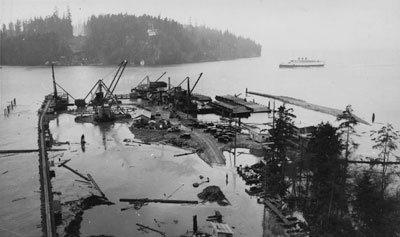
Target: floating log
{"type": "Point", "coordinates": [176, 190]}
{"type": "Point", "coordinates": [81, 181]}
{"type": "Point", "coordinates": [184, 154]}
{"type": "Point", "coordinates": [73, 171]}
{"type": "Point", "coordinates": [27, 150]}
{"type": "Point", "coordinates": [144, 200]}
{"type": "Point", "coordinates": [97, 186]}
{"type": "Point", "coordinates": [63, 163]}
{"type": "Point", "coordinates": [149, 228]}
{"type": "Point", "coordinates": [145, 143]}
{"type": "Point", "coordinates": [18, 199]}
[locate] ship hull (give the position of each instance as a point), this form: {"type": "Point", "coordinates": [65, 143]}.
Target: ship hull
{"type": "Point", "coordinates": [299, 65]}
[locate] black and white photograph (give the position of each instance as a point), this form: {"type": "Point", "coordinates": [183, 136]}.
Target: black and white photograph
{"type": "Point", "coordinates": [199, 118]}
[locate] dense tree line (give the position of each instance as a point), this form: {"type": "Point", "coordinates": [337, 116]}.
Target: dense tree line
{"type": "Point", "coordinates": [156, 41]}
{"type": "Point", "coordinates": [112, 38]}
{"type": "Point", "coordinates": [36, 41]}
{"type": "Point", "coordinates": [337, 197]}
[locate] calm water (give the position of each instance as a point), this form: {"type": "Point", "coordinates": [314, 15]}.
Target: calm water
{"type": "Point", "coordinates": [369, 81]}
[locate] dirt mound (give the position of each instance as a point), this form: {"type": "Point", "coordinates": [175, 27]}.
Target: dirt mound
{"type": "Point", "coordinates": [213, 194]}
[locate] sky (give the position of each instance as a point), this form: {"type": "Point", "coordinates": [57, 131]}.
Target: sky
{"type": "Point", "coordinates": [277, 24]}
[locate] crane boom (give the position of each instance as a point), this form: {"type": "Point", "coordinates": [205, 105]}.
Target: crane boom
{"type": "Point", "coordinates": [195, 84]}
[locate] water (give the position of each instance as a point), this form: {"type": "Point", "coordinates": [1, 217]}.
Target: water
{"type": "Point", "coordinates": [148, 171]}
{"type": "Point", "coordinates": [368, 80]}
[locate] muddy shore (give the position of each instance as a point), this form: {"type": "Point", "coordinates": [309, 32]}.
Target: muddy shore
{"type": "Point", "coordinates": [205, 145]}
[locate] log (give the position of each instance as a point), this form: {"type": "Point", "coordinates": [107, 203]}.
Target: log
{"type": "Point", "coordinates": [27, 150]}
{"type": "Point", "coordinates": [184, 154]}
{"type": "Point", "coordinates": [63, 163]}
{"type": "Point", "coordinates": [149, 228]}
{"type": "Point", "coordinates": [144, 200]}
{"type": "Point", "coordinates": [75, 172]}
{"type": "Point", "coordinates": [97, 186]}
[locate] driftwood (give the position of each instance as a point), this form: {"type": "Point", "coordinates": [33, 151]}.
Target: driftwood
{"type": "Point", "coordinates": [184, 154]}
{"type": "Point", "coordinates": [149, 228]}
{"type": "Point", "coordinates": [73, 171]}
{"type": "Point", "coordinates": [176, 190]}
{"type": "Point", "coordinates": [144, 200]}
{"type": "Point", "coordinates": [97, 187]}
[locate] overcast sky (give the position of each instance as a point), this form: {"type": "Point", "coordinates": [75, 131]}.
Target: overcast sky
{"type": "Point", "coordinates": [278, 24]}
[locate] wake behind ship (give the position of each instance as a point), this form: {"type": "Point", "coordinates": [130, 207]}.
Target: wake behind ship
{"type": "Point", "coordinates": [302, 62]}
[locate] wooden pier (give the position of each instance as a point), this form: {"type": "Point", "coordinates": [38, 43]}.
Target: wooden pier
{"type": "Point", "coordinates": [252, 106]}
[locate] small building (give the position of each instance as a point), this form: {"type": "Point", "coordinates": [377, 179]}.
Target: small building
{"type": "Point", "coordinates": [221, 230]}
{"type": "Point", "coordinates": [142, 117]}
{"type": "Point", "coordinates": [259, 135]}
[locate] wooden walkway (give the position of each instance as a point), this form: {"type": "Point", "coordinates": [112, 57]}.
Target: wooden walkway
{"type": "Point", "coordinates": [48, 222]}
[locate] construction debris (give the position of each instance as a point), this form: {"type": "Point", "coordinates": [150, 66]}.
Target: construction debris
{"type": "Point", "coordinates": [213, 194]}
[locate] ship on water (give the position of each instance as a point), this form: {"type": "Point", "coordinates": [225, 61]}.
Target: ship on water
{"type": "Point", "coordinates": [302, 62]}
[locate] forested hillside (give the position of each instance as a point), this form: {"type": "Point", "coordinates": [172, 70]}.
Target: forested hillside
{"type": "Point", "coordinates": [160, 41]}
{"type": "Point", "coordinates": [109, 39]}
{"type": "Point", "coordinates": [36, 41]}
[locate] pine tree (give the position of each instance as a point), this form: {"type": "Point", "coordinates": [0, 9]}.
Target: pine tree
{"type": "Point", "coordinates": [385, 140]}
{"type": "Point", "coordinates": [329, 169]}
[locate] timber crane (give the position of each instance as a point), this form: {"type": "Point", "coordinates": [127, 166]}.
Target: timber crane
{"type": "Point", "coordinates": [181, 99]}
{"type": "Point", "coordinates": [105, 105]}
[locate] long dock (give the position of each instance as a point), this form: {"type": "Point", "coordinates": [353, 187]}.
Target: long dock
{"type": "Point", "coordinates": [306, 105]}
{"type": "Point", "coordinates": [48, 222]}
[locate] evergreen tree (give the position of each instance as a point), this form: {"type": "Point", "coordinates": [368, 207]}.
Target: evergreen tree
{"type": "Point", "coordinates": [385, 140]}
{"type": "Point", "coordinates": [376, 215]}
{"type": "Point", "coordinates": [282, 135]}
{"type": "Point", "coordinates": [346, 129]}
{"type": "Point", "coordinates": [329, 202]}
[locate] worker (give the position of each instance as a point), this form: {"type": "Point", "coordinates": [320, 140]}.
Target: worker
{"type": "Point", "coordinates": [83, 142]}
{"type": "Point", "coordinates": [373, 117]}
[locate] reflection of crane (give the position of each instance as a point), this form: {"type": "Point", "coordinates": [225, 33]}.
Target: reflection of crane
{"type": "Point", "coordinates": [102, 100]}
